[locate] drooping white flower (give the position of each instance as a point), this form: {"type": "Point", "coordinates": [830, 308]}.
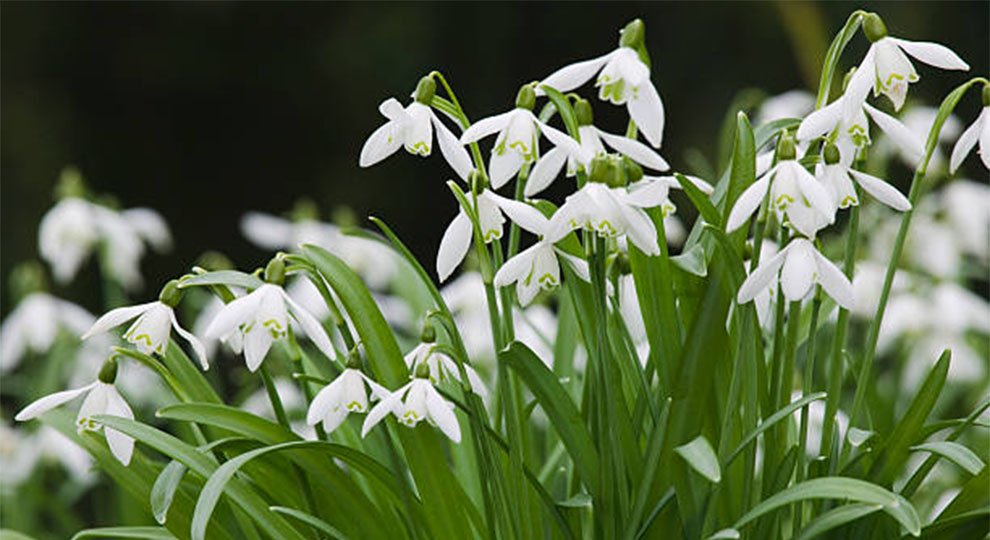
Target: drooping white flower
{"type": "Point", "coordinates": [794, 192]}
{"type": "Point", "coordinates": [262, 316]}
{"type": "Point", "coordinates": [456, 239]}
{"type": "Point", "coordinates": [416, 401]}
{"type": "Point", "coordinates": [101, 398]}
{"type": "Point", "coordinates": [886, 68]}
{"type": "Point", "coordinates": [34, 324]}
{"type": "Point", "coordinates": [978, 131]}
{"type": "Point", "coordinates": [152, 329]}
{"type": "Point", "coordinates": [838, 179]}
{"type": "Point", "coordinates": [966, 205]}
{"type": "Point", "coordinates": [440, 366]}
{"type": "Point", "coordinates": [790, 104]}
{"type": "Point", "coordinates": [346, 394]}
{"type": "Point", "coordinates": [800, 266]}
{"type": "Point", "coordinates": [412, 127]}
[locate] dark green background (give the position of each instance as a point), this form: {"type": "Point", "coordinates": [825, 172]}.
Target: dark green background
{"type": "Point", "coordinates": [206, 110]}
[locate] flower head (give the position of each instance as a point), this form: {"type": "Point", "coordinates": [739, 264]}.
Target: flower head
{"type": "Point", "coordinates": [978, 131]}
{"type": "Point", "coordinates": [800, 266]}
{"type": "Point", "coordinates": [346, 394]}
{"type": "Point", "coordinates": [456, 239]}
{"type": "Point", "coordinates": [418, 400]}
{"type": "Point", "coordinates": [440, 366]}
{"type": "Point", "coordinates": [34, 324]}
{"type": "Point", "coordinates": [838, 179]}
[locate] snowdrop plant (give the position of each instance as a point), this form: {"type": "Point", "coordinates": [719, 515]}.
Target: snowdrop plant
{"type": "Point", "coordinates": [601, 374]}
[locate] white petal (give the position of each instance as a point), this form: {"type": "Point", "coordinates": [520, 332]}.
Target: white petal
{"type": "Point", "coordinates": [570, 77]}
{"type": "Point", "coordinates": [267, 231]}
{"type": "Point", "coordinates": [453, 151]}
{"type": "Point", "coordinates": [545, 171]}
{"type": "Point", "coordinates": [932, 54]}
{"type": "Point", "coordinates": [901, 135]}
{"type": "Point", "coordinates": [454, 245]}
{"type": "Point", "coordinates": [321, 404]}
{"type": "Point", "coordinates": [748, 202]}
{"type": "Point", "coordinates": [635, 150]}
{"type": "Point", "coordinates": [504, 166]}
{"type": "Point", "coordinates": [333, 419]}
{"type": "Point", "coordinates": [967, 141]}
{"type": "Point", "coordinates": [121, 446]}
{"type": "Point", "coordinates": [835, 283]}
{"type": "Point", "coordinates": [314, 330]}
{"type": "Point", "coordinates": [860, 84]}
{"type": "Point", "coordinates": [761, 277]}
{"type": "Point", "coordinates": [820, 122]}
{"type": "Point", "coordinates": [477, 385]}
{"type": "Point", "coordinates": [526, 291]}
{"type": "Point", "coordinates": [392, 109]}
{"type": "Point", "coordinates": [151, 226]}
{"type": "Point", "coordinates": [814, 191]}
{"type": "Point", "coordinates": [522, 214]}
{"type": "Point", "coordinates": [232, 315]}
{"type": "Point", "coordinates": [49, 402]}
{"type": "Point", "coordinates": [985, 139]}
{"type": "Point", "coordinates": [383, 142]}
{"type": "Point", "coordinates": [485, 127]}
{"type": "Point", "coordinates": [257, 342]}
{"type": "Point", "coordinates": [579, 265]}
{"type": "Point", "coordinates": [517, 267]}
{"type": "Point", "coordinates": [116, 317]}
{"type": "Point", "coordinates": [379, 412]}
{"type": "Point", "coordinates": [557, 137]}
{"type": "Point", "coordinates": [443, 415]}
{"type": "Point", "coordinates": [882, 191]}
{"type": "Point", "coordinates": [646, 109]}
{"type": "Point", "coordinates": [799, 270]}
{"type": "Point", "coordinates": [196, 344]}
{"type": "Point", "coordinates": [640, 229]}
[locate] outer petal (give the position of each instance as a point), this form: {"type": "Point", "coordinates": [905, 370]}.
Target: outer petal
{"type": "Point", "coordinates": [116, 317]}
{"type": "Point", "coordinates": [898, 133]}
{"type": "Point", "coordinates": [748, 202]}
{"type": "Point", "coordinates": [835, 283]}
{"type": "Point", "coordinates": [882, 191]}
{"type": "Point", "coordinates": [453, 151]}
{"type": "Point", "coordinates": [799, 270]}
{"type": "Point", "coordinates": [640, 229]}
{"type": "Point", "coordinates": [383, 142]}
{"type": "Point", "coordinates": [820, 122]}
{"type": "Point", "coordinates": [860, 84]}
{"type": "Point", "coordinates": [196, 344]}
{"type": "Point", "coordinates": [232, 315]}
{"type": "Point", "coordinates": [322, 403]}
{"type": "Point", "coordinates": [526, 291]}
{"type": "Point", "coordinates": [486, 127]}
{"type": "Point", "coordinates": [477, 385]}
{"type": "Point", "coordinates": [121, 446]}
{"type": "Point", "coordinates": [454, 245]}
{"type": "Point", "coordinates": [761, 277]}
{"type": "Point", "coordinates": [392, 109]}
{"type": "Point", "coordinates": [985, 139]}
{"type": "Point", "coordinates": [637, 151]}
{"type": "Point", "coordinates": [310, 325]}
{"type": "Point", "coordinates": [579, 265]}
{"type": "Point", "coordinates": [967, 141]}
{"type": "Point", "coordinates": [570, 77]}
{"type": "Point", "coordinates": [257, 342]}
{"type": "Point", "coordinates": [49, 402]}
{"type": "Point", "coordinates": [267, 231]}
{"type": "Point", "coordinates": [380, 411]}
{"type": "Point", "coordinates": [646, 109]}
{"type": "Point", "coordinates": [504, 166]}
{"type": "Point", "coordinates": [522, 214]}
{"type": "Point", "coordinates": [517, 267]}
{"type": "Point", "coordinates": [815, 192]}
{"type": "Point", "coordinates": [932, 54]}
{"type": "Point", "coordinates": [545, 171]}
{"type": "Point", "coordinates": [151, 226]}
{"type": "Point", "coordinates": [443, 415]}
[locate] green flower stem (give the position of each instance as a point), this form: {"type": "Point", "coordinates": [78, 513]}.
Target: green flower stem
{"type": "Point", "coordinates": [808, 376]}
{"type": "Point", "coordinates": [273, 396]}
{"type": "Point", "coordinates": [514, 231]}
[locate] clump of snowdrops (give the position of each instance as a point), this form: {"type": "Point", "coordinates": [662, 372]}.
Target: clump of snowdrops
{"type": "Point", "coordinates": [607, 372]}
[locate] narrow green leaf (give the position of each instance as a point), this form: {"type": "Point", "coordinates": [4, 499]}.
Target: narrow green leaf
{"type": "Point", "coordinates": [222, 277]}
{"type": "Point", "coordinates": [310, 520]}
{"type": "Point", "coordinates": [837, 517]}
{"type": "Point", "coordinates": [566, 111]}
{"type": "Point", "coordinates": [692, 261]}
{"type": "Point", "coordinates": [699, 454]}
{"type": "Point", "coordinates": [163, 491]}
{"type": "Point", "coordinates": [832, 56]}
{"type": "Point", "coordinates": [743, 170]}
{"type": "Point", "coordinates": [725, 534]}
{"type": "Point", "coordinates": [955, 452]}
{"type": "Point", "coordinates": [699, 200]}
{"type": "Point", "coordinates": [145, 533]}
{"type": "Point", "coordinates": [783, 413]}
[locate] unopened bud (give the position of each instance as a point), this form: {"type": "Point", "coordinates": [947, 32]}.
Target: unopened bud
{"type": "Point", "coordinates": [429, 334]}
{"type": "Point", "coordinates": [831, 154]}
{"type": "Point", "coordinates": [70, 184]}
{"type": "Point", "coordinates": [526, 98]}
{"type": "Point", "coordinates": [425, 90]}
{"type": "Point", "coordinates": [786, 149]}
{"type": "Point", "coordinates": [582, 109]}
{"type": "Point", "coordinates": [633, 35]}
{"type": "Point", "coordinates": [275, 271]}
{"type": "Point", "coordinates": [606, 169]}
{"type": "Point", "coordinates": [353, 359]}
{"type": "Point", "coordinates": [477, 181]}
{"type": "Point", "coordinates": [634, 172]}
{"type": "Point", "coordinates": [874, 28]}
{"type": "Point", "coordinates": [108, 372]}
{"type": "Point", "coordinates": [171, 294]}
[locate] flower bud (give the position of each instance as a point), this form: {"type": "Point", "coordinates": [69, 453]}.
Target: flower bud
{"type": "Point", "coordinates": [353, 359]}
{"type": "Point", "coordinates": [986, 95]}
{"type": "Point", "coordinates": [425, 90]}
{"type": "Point", "coordinates": [606, 169]}
{"type": "Point", "coordinates": [275, 271]}
{"type": "Point", "coordinates": [305, 210]}
{"type": "Point", "coordinates": [874, 28]}
{"type": "Point", "coordinates": [429, 334]}
{"type": "Point", "coordinates": [582, 109]}
{"type": "Point", "coordinates": [26, 278]}
{"type": "Point", "coordinates": [70, 184]}
{"type": "Point", "coordinates": [171, 294]}
{"type": "Point", "coordinates": [108, 372]}
{"type": "Point", "coordinates": [423, 371]}
{"type": "Point", "coordinates": [831, 154]}
{"type": "Point", "coordinates": [526, 98]}
{"type": "Point", "coordinates": [633, 35]}
{"type": "Point", "coordinates": [634, 172]}
{"type": "Point", "coordinates": [786, 149]}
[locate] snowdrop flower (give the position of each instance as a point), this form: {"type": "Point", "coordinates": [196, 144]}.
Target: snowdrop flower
{"type": "Point", "coordinates": [439, 365]}
{"type": "Point", "coordinates": [262, 316]}
{"type": "Point", "coordinates": [456, 239]}
{"type": "Point", "coordinates": [794, 192]}
{"type": "Point", "coordinates": [790, 104]}
{"type": "Point", "coordinates": [66, 237]}
{"type": "Point", "coordinates": [800, 266]}
{"type": "Point", "coordinates": [421, 402]}
{"type": "Point", "coordinates": [412, 127]}
{"type": "Point", "coordinates": [152, 329]}
{"type": "Point", "coordinates": [838, 179]}
{"type": "Point", "coordinates": [536, 267]}
{"type": "Point", "coordinates": [346, 394]}
{"type": "Point", "coordinates": [886, 68]}
{"type": "Point", "coordinates": [548, 167]}
{"type": "Point", "coordinates": [518, 138]}
{"type": "Point", "coordinates": [34, 324]}
{"type": "Point", "coordinates": [623, 78]}
{"type": "Point", "coordinates": [979, 130]}
{"type": "Point", "coordinates": [967, 206]}
{"type": "Point", "coordinates": [101, 398]}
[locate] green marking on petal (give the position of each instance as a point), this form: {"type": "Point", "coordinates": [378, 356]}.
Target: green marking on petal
{"type": "Point", "coordinates": [782, 201]}
{"type": "Point", "coordinates": [355, 407]}
{"type": "Point", "coordinates": [140, 338]}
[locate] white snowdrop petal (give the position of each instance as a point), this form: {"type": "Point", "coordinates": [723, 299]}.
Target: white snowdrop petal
{"type": "Point", "coordinates": [748, 202]}
{"type": "Point", "coordinates": [485, 127]}
{"type": "Point", "coordinates": [881, 191]}
{"type": "Point", "coordinates": [267, 231]}
{"type": "Point", "coordinates": [382, 142]}
{"type": "Point", "coordinates": [503, 166]}
{"type": "Point", "coordinates": [232, 315]}
{"type": "Point", "coordinates": [985, 139]}
{"type": "Point", "coordinates": [572, 76]}
{"type": "Point", "coordinates": [635, 150]}
{"type": "Point", "coordinates": [392, 109]}
{"type": "Point", "coordinates": [443, 415]}
{"type": "Point", "coordinates": [579, 265]}
{"type": "Point", "coordinates": [196, 344]}
{"type": "Point", "coordinates": [49, 402]}
{"type": "Point", "coordinates": [860, 84]}
{"type": "Point", "coordinates": [835, 283]}
{"type": "Point", "coordinates": [314, 330]}
{"type": "Point", "coordinates": [761, 277]}
{"type": "Point", "coordinates": [967, 141]}
{"type": "Point", "coordinates": [798, 272]}
{"type": "Point", "coordinates": [257, 342]}
{"type": "Point", "coordinates": [377, 413]}
{"type": "Point", "coordinates": [545, 171]}
{"type": "Point", "coordinates": [322, 403]}
{"type": "Point", "coordinates": [116, 317]}
{"type": "Point", "coordinates": [907, 140]}
{"type": "Point", "coordinates": [453, 151]}
{"type": "Point", "coordinates": [516, 268]}
{"type": "Point", "coordinates": [524, 215]}
{"type": "Point", "coordinates": [820, 121]}
{"type": "Point", "coordinates": [454, 245]}
{"type": "Point", "coordinates": [933, 54]}
{"type": "Point", "coordinates": [646, 109]}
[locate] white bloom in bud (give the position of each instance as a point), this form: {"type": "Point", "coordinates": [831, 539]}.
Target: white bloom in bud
{"type": "Point", "coordinates": [34, 324]}
{"type": "Point", "coordinates": [441, 366]}
{"type": "Point", "coordinates": [794, 192]}
{"type": "Point", "coordinates": [623, 78]}
{"type": "Point", "coordinates": [421, 402]}
{"type": "Point", "coordinates": [346, 394]}
{"type": "Point", "coordinates": [838, 179]}
{"type": "Point", "coordinates": [978, 131]}
{"type": "Point", "coordinates": [517, 143]}
{"type": "Point", "coordinates": [101, 398]}
{"type": "Point", "coordinates": [262, 316]}
{"type": "Point", "coordinates": [412, 127]}
{"type": "Point", "coordinates": [456, 239]}
{"type": "Point", "coordinates": [800, 266]}
{"type": "Point", "coordinates": [151, 331]}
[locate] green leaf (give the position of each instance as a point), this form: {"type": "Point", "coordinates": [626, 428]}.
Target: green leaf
{"type": "Point", "coordinates": [557, 404]}
{"type": "Point", "coordinates": [564, 108]}
{"type": "Point", "coordinates": [147, 533]}
{"type": "Point", "coordinates": [692, 261]}
{"type": "Point", "coordinates": [700, 456]}
{"type": "Point", "coordinates": [743, 171]}
{"type": "Point", "coordinates": [783, 413]}
{"type": "Point", "coordinates": [837, 517]}
{"type": "Point", "coordinates": [725, 534]}
{"type": "Point", "coordinates": [310, 520]}
{"type": "Point", "coordinates": [837, 487]}
{"type": "Point", "coordinates": [9, 534]}
{"type": "Point", "coordinates": [222, 277]}
{"type": "Point", "coordinates": [955, 452]}
{"type": "Point", "coordinates": [163, 491]}
{"type": "Point", "coordinates": [699, 200]}
{"type": "Point", "coordinates": [832, 56]}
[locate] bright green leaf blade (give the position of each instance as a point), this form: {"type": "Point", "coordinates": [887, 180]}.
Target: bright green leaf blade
{"type": "Point", "coordinates": [700, 455]}
{"type": "Point", "coordinates": [837, 517]}
{"type": "Point", "coordinates": [769, 422]}
{"type": "Point", "coordinates": [222, 277]}
{"type": "Point", "coordinates": [955, 452]}
{"type": "Point", "coordinates": [310, 520]}
{"type": "Point", "coordinates": [564, 109]}
{"type": "Point", "coordinates": [163, 491]}
{"type": "Point", "coordinates": [832, 56]}
{"type": "Point", "coordinates": [699, 200]}
{"type": "Point", "coordinates": [144, 533]}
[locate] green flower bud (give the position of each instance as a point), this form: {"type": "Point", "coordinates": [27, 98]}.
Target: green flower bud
{"type": "Point", "coordinates": [786, 149]}
{"type": "Point", "coordinates": [622, 263]}
{"type": "Point", "coordinates": [986, 95]}
{"type": "Point", "coordinates": [171, 294]}
{"type": "Point", "coordinates": [108, 372]}
{"type": "Point", "coordinates": [26, 278]}
{"type": "Point", "coordinates": [526, 98]}
{"type": "Point", "coordinates": [874, 28]}
{"type": "Point", "coordinates": [70, 184]}
{"type": "Point", "coordinates": [831, 154]}
{"type": "Point", "coordinates": [423, 371]}
{"type": "Point", "coordinates": [634, 172]}
{"type": "Point", "coordinates": [305, 210]}
{"type": "Point", "coordinates": [606, 169]}
{"type": "Point", "coordinates": [425, 90]}
{"type": "Point", "coordinates": [429, 334]}
{"type": "Point", "coordinates": [633, 35]}
{"type": "Point", "coordinates": [582, 109]}
{"type": "Point", "coordinates": [275, 271]}
{"type": "Point", "coordinates": [353, 359]}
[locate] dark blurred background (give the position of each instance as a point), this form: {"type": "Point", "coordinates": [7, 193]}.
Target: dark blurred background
{"type": "Point", "coordinates": [206, 110]}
